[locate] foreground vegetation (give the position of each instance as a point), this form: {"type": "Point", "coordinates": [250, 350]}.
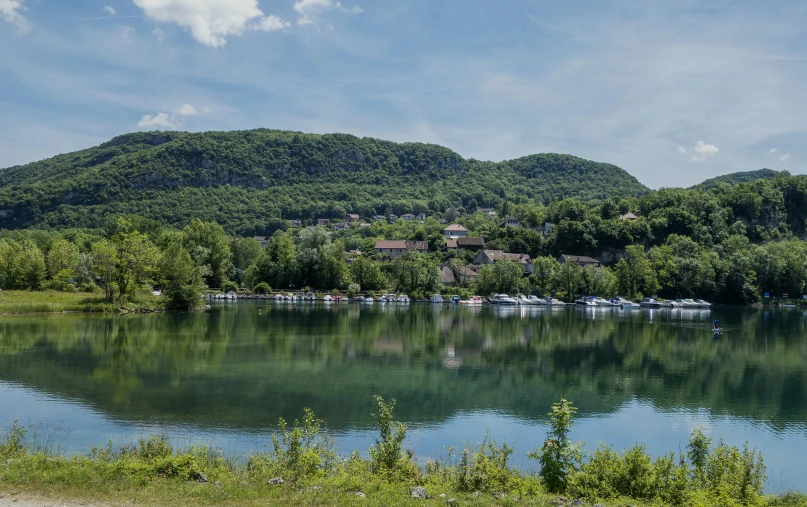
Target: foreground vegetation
{"type": "Point", "coordinates": [51, 301]}
{"type": "Point", "coordinates": [301, 466]}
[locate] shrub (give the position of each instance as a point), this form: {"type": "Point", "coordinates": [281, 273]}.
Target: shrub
{"type": "Point", "coordinates": [262, 288]}
{"type": "Point", "coordinates": [387, 455]}
{"type": "Point", "coordinates": [229, 286]}
{"type": "Point", "coordinates": [302, 450]}
{"type": "Point", "coordinates": [12, 444]}
{"type": "Point", "coordinates": [485, 468]}
{"type": "Point", "coordinates": [559, 456]}
{"type": "Point", "coordinates": [353, 290]}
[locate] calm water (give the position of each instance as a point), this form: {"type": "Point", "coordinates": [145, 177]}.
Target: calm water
{"type": "Point", "coordinates": [224, 377]}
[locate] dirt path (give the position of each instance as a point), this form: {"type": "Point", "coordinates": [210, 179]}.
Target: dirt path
{"type": "Point", "coordinates": [25, 500]}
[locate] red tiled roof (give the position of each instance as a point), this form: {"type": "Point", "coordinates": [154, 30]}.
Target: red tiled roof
{"type": "Point", "coordinates": [470, 241]}
{"type": "Point", "coordinates": [455, 227]}
{"type": "Point", "coordinates": [392, 244]}
{"type": "Point", "coordinates": [451, 243]}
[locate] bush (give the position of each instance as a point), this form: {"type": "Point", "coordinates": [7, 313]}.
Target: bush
{"type": "Point", "coordinates": [485, 469]}
{"type": "Point", "coordinates": [12, 444]}
{"type": "Point", "coordinates": [229, 286]}
{"type": "Point", "coordinates": [301, 450]}
{"type": "Point", "coordinates": [559, 457]}
{"type": "Point", "coordinates": [386, 455]}
{"type": "Point", "coordinates": [262, 288]}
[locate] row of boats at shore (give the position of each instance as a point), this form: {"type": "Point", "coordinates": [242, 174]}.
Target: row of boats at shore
{"type": "Point", "coordinates": [496, 299]}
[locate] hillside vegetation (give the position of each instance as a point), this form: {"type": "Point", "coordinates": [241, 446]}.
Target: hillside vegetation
{"type": "Point", "coordinates": [243, 179]}
{"type": "Point", "coordinates": [739, 177]}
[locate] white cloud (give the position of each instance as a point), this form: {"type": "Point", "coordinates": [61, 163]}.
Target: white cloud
{"type": "Point", "coordinates": [212, 21]}
{"type": "Point", "coordinates": [704, 151]}
{"type": "Point", "coordinates": [10, 12]}
{"type": "Point", "coordinates": [187, 110]}
{"type": "Point", "coordinates": [310, 10]}
{"type": "Point", "coordinates": [772, 151]}
{"type": "Point", "coordinates": [159, 34]}
{"type": "Point", "coordinates": [206, 110]}
{"type": "Point", "coordinates": [110, 10]}
{"type": "Point", "coordinates": [681, 149]}
{"type": "Point", "coordinates": [127, 32]}
{"type": "Point", "coordinates": [160, 120]}
{"type": "Point", "coordinates": [784, 158]}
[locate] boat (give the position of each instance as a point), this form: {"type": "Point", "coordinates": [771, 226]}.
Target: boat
{"type": "Point", "coordinates": [624, 303]}
{"type": "Point", "coordinates": [650, 303]}
{"type": "Point", "coordinates": [328, 298]}
{"type": "Point", "coordinates": [702, 304]}
{"type": "Point", "coordinates": [502, 299]}
{"type": "Point", "coordinates": [455, 300]}
{"type": "Point", "coordinates": [522, 300]}
{"type": "Point", "coordinates": [436, 298]}
{"type": "Point", "coordinates": [390, 298]}
{"type": "Point", "coordinates": [403, 298]}
{"type": "Point", "coordinates": [310, 296]}
{"type": "Point", "coordinates": [603, 302]}
{"type": "Point", "coordinates": [278, 297]}
{"type": "Point", "coordinates": [535, 300]}
{"type": "Point", "coordinates": [368, 299]}
{"type": "Point", "coordinates": [586, 301]}
{"type": "Point", "coordinates": [475, 300]}
{"type": "Point", "coordinates": [231, 295]}
{"type": "Point", "coordinates": [554, 302]}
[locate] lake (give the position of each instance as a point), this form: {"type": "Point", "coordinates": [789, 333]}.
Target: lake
{"type": "Point", "coordinates": [224, 377]}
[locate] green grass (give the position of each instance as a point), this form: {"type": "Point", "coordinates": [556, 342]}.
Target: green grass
{"type": "Point", "coordinates": [58, 302]}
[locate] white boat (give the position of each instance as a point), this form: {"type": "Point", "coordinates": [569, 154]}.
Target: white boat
{"type": "Point", "coordinates": [437, 298]}
{"type": "Point", "coordinates": [703, 304]}
{"type": "Point", "coordinates": [624, 303]}
{"type": "Point", "coordinates": [455, 300]}
{"type": "Point", "coordinates": [650, 303]}
{"type": "Point", "coordinates": [522, 300]}
{"type": "Point", "coordinates": [535, 300]}
{"type": "Point", "coordinates": [603, 302]}
{"type": "Point", "coordinates": [231, 295]}
{"type": "Point", "coordinates": [502, 299]}
{"type": "Point", "coordinates": [328, 298]}
{"type": "Point", "coordinates": [389, 298]}
{"type": "Point", "coordinates": [586, 301]}
{"type": "Point", "coordinates": [310, 296]}
{"type": "Point", "coordinates": [367, 299]}
{"type": "Point", "coordinates": [403, 298]}
{"type": "Point", "coordinates": [475, 300]}
{"type": "Point", "coordinates": [554, 302]}
{"type": "Point", "coordinates": [278, 297]}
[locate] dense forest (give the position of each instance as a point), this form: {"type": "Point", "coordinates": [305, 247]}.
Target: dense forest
{"type": "Point", "coordinates": [177, 211]}
{"type": "Point", "coordinates": [242, 180]}
{"type": "Point", "coordinates": [741, 177]}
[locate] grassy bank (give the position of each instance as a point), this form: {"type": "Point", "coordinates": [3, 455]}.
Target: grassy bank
{"type": "Point", "coordinates": [12, 302]}
{"type": "Point", "coordinates": [301, 467]}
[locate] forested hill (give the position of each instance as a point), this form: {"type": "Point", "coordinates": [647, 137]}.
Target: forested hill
{"type": "Point", "coordinates": [242, 179]}
{"type": "Point", "coordinates": [739, 177]}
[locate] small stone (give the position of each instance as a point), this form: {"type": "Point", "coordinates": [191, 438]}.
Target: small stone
{"type": "Point", "coordinates": [500, 496]}
{"type": "Point", "coordinates": [451, 501]}
{"type": "Point", "coordinates": [475, 494]}
{"type": "Point", "coordinates": [442, 495]}
{"type": "Point", "coordinates": [199, 477]}
{"type": "Point", "coordinates": [10, 461]}
{"type": "Point", "coordinates": [314, 488]}
{"type": "Point", "coordinates": [217, 484]}
{"type": "Point", "coordinates": [360, 494]}
{"type": "Point", "coordinates": [418, 492]}
{"type": "Point", "coordinates": [578, 503]}
{"type": "Point", "coordinates": [559, 500]}
{"type": "Point", "coordinates": [275, 481]}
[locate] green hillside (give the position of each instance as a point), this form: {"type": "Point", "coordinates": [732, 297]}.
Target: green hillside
{"type": "Point", "coordinates": [242, 179]}
{"type": "Point", "coordinates": [739, 177]}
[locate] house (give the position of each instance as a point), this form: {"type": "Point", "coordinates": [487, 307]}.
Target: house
{"type": "Point", "coordinates": [511, 222]}
{"type": "Point", "coordinates": [408, 217]}
{"type": "Point", "coordinates": [295, 223]}
{"type": "Point", "coordinates": [447, 276]}
{"type": "Point", "coordinates": [470, 243]}
{"type": "Point", "coordinates": [379, 218]}
{"type": "Point", "coordinates": [350, 218]}
{"type": "Point", "coordinates": [451, 244]}
{"type": "Point", "coordinates": [262, 240]}
{"type": "Point", "coordinates": [487, 211]}
{"type": "Point", "coordinates": [396, 248]}
{"type": "Point", "coordinates": [393, 218]}
{"type": "Point", "coordinates": [323, 221]}
{"type": "Point", "coordinates": [491, 256]}
{"type": "Point", "coordinates": [548, 227]}
{"type": "Point", "coordinates": [341, 226]}
{"type": "Point", "coordinates": [420, 216]}
{"type": "Point", "coordinates": [455, 231]}
{"type": "Point", "coordinates": [581, 260]}
{"type": "Point", "coordinates": [628, 216]}
{"type": "Point", "coordinates": [468, 273]}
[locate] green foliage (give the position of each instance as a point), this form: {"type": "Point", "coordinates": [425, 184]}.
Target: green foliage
{"type": "Point", "coordinates": [229, 286]}
{"type": "Point", "coordinates": [367, 274]}
{"type": "Point", "coordinates": [12, 444]}
{"type": "Point", "coordinates": [262, 288]}
{"type": "Point", "coordinates": [559, 457]}
{"type": "Point", "coordinates": [181, 279]}
{"type": "Point", "coordinates": [387, 456]}
{"type": "Point", "coordinates": [500, 277]}
{"type": "Point", "coordinates": [302, 450]}
{"type": "Point", "coordinates": [635, 275]}
{"type": "Point", "coordinates": [484, 468]}
{"type": "Point", "coordinates": [22, 265]}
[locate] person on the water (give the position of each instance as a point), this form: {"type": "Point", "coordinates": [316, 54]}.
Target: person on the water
{"type": "Point", "coordinates": [716, 326]}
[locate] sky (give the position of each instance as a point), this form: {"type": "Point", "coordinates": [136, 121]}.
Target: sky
{"type": "Point", "coordinates": [673, 91]}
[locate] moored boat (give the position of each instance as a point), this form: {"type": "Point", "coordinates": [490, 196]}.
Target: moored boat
{"type": "Point", "coordinates": [650, 303]}
{"type": "Point", "coordinates": [502, 299]}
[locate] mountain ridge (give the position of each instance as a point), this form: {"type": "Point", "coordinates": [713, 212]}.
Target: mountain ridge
{"type": "Point", "coordinates": [242, 176]}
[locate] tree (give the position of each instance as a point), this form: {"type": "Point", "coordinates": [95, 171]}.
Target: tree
{"type": "Point", "coordinates": [105, 258]}
{"type": "Point", "coordinates": [277, 265]}
{"type": "Point", "coordinates": [209, 247]}
{"type": "Point", "coordinates": [543, 271]}
{"type": "Point", "coordinates": [136, 261]}
{"type": "Point", "coordinates": [85, 269]}
{"type": "Point", "coordinates": [568, 281]}
{"type": "Point", "coordinates": [62, 255]}
{"type": "Point", "coordinates": [415, 274]}
{"type": "Point", "coordinates": [245, 251]}
{"type": "Point", "coordinates": [502, 276]}
{"type": "Point", "coordinates": [181, 279]}
{"type": "Point", "coordinates": [634, 273]}
{"type": "Point", "coordinates": [367, 274]}
{"type": "Point", "coordinates": [22, 265]}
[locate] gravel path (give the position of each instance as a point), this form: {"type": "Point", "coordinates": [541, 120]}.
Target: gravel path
{"type": "Point", "coordinates": [25, 500]}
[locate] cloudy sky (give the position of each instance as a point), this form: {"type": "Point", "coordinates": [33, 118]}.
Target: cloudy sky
{"type": "Point", "coordinates": [674, 91]}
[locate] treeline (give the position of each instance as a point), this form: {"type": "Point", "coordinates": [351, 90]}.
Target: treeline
{"type": "Point", "coordinates": [241, 180]}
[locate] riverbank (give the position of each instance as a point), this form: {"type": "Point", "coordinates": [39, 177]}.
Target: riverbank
{"type": "Point", "coordinates": [25, 302]}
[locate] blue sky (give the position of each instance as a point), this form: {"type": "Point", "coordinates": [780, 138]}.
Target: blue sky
{"type": "Point", "coordinates": [672, 91]}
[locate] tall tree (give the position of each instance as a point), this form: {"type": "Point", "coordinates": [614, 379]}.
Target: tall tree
{"type": "Point", "coordinates": [634, 273]}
